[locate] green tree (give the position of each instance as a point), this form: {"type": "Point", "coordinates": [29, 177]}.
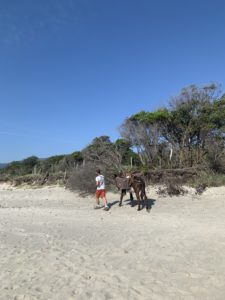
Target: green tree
{"type": "Point", "coordinates": [28, 164]}
{"type": "Point", "coordinates": [144, 131]}
{"type": "Point", "coordinates": [180, 135]}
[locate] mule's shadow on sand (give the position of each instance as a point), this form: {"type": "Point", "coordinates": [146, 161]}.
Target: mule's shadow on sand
{"type": "Point", "coordinates": [145, 203]}
{"type": "Point", "coordinates": [151, 202]}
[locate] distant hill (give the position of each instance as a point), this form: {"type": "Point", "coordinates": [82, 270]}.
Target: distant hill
{"type": "Point", "coordinates": [3, 165]}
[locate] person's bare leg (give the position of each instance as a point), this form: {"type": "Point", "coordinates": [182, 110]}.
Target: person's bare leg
{"type": "Point", "coordinates": [97, 201]}
{"type": "Point", "coordinates": [105, 203]}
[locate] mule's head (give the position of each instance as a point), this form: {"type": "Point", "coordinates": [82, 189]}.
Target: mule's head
{"type": "Point", "coordinates": [128, 175]}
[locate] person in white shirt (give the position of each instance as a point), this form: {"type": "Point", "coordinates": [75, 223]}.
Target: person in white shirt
{"type": "Point", "coordinates": [100, 190]}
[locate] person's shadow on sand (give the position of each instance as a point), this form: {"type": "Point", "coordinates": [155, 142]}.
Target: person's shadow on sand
{"type": "Point", "coordinates": [113, 203]}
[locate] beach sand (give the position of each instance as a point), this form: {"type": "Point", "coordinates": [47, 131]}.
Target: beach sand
{"type": "Point", "coordinates": [54, 245]}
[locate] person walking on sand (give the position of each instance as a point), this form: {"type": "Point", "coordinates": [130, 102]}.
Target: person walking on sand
{"type": "Point", "coordinates": [100, 190]}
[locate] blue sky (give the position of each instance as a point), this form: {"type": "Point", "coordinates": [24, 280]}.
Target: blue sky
{"type": "Point", "coordinates": [71, 70]}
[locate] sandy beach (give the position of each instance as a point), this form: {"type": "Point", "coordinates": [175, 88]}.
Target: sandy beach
{"type": "Point", "coordinates": [54, 245]}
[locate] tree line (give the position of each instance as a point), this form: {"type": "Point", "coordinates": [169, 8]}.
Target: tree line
{"type": "Point", "coordinates": [187, 133]}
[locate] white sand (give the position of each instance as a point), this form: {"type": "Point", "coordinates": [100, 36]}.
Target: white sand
{"type": "Point", "coordinates": [53, 245]}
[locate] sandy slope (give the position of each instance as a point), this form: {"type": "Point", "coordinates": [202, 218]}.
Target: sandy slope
{"type": "Point", "coordinates": [55, 246]}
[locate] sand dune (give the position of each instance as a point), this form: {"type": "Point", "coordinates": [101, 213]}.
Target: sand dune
{"type": "Point", "coordinates": [55, 246]}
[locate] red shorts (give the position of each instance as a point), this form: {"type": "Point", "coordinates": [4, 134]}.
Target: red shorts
{"type": "Point", "coordinates": [100, 194]}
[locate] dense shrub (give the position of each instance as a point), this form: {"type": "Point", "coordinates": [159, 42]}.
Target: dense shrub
{"type": "Point", "coordinates": [171, 188]}
{"type": "Point", "coordinates": [82, 179]}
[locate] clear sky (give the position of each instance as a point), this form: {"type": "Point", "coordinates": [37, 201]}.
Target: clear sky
{"type": "Point", "coordinates": [71, 70]}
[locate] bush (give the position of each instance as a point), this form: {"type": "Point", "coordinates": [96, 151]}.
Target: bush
{"type": "Point", "coordinates": [171, 188]}
{"type": "Point", "coordinates": [209, 179]}
{"type": "Point", "coordinates": [29, 179]}
{"type": "Point", "coordinates": [82, 179]}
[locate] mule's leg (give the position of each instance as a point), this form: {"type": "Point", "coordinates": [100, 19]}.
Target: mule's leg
{"type": "Point", "coordinates": [142, 199]}
{"type": "Point", "coordinates": [121, 197]}
{"type": "Point", "coordinates": [131, 199]}
{"type": "Point", "coordinates": [146, 200]}
{"type": "Point", "coordinates": [138, 200]}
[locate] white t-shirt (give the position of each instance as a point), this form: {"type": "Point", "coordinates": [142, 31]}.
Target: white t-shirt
{"type": "Point", "coordinates": [101, 180]}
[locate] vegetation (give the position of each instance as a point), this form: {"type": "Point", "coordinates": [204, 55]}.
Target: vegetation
{"type": "Point", "coordinates": [185, 138]}
{"type": "Point", "coordinates": [189, 133]}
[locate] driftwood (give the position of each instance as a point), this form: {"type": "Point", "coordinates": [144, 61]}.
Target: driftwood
{"type": "Point", "coordinates": [180, 175]}
{"type": "Point", "coordinates": [45, 178]}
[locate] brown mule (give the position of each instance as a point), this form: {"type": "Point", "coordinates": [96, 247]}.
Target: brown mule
{"type": "Point", "coordinates": [137, 183]}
